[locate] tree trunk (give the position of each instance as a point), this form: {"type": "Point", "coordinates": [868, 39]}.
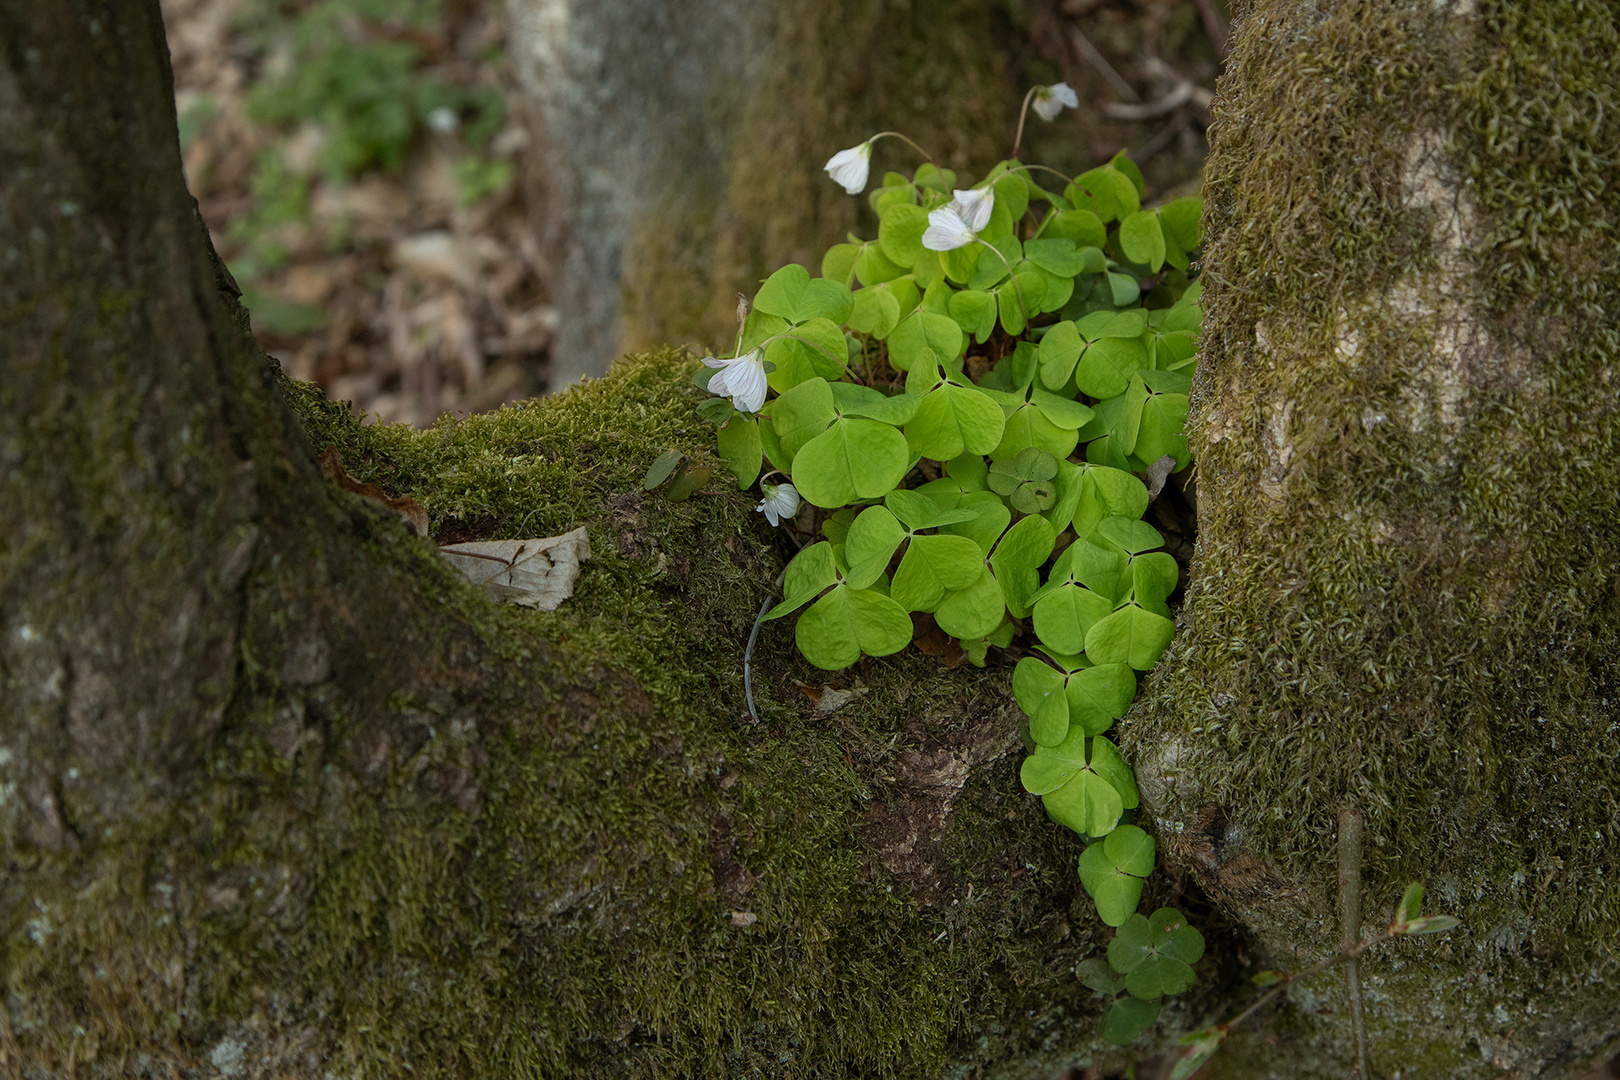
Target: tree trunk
{"type": "Point", "coordinates": [1404, 598]}
{"type": "Point", "coordinates": [280, 795]}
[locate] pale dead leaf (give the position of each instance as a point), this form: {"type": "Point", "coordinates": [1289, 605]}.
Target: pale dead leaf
{"type": "Point", "coordinates": [832, 699]}
{"type": "Point", "coordinates": [743, 918]}
{"type": "Point", "coordinates": [1157, 474]}
{"type": "Point", "coordinates": [535, 573]}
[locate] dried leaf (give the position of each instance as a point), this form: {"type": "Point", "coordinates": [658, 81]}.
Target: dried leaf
{"type": "Point", "coordinates": [409, 510]}
{"type": "Point", "coordinates": [831, 698]}
{"type": "Point", "coordinates": [938, 643]}
{"type": "Point", "coordinates": [535, 573]}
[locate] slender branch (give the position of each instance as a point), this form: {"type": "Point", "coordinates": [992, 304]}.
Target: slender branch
{"type": "Point", "coordinates": [1352, 828]}
{"type": "Point", "coordinates": [1085, 48]}
{"type": "Point", "coordinates": [1213, 26]}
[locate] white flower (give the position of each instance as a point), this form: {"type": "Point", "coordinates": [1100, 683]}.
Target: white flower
{"type": "Point", "coordinates": [947, 231]}
{"type": "Point", "coordinates": [781, 502]}
{"type": "Point", "coordinates": [743, 378]}
{"type": "Point", "coordinates": [850, 167]}
{"type": "Point", "coordinates": [973, 207]}
{"type": "Point", "coordinates": [1050, 100]}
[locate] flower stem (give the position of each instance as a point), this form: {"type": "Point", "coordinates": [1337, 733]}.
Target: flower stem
{"type": "Point", "coordinates": [1010, 277]}
{"type": "Point", "coordinates": [905, 139]}
{"type": "Point", "coordinates": [1023, 114]}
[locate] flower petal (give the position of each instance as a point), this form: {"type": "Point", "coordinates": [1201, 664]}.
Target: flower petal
{"type": "Point", "coordinates": [974, 207]}
{"type": "Point", "coordinates": [946, 231]}
{"type": "Point", "coordinates": [851, 167]}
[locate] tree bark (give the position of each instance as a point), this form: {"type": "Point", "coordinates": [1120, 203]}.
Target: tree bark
{"type": "Point", "coordinates": [280, 795]}
{"type": "Point", "coordinates": [1404, 596]}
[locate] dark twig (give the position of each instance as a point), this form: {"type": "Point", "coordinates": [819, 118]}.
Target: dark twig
{"type": "Point", "coordinates": [1086, 49]}
{"type": "Point", "coordinates": [1213, 26]}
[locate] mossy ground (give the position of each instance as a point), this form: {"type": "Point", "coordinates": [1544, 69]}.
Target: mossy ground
{"type": "Point", "coordinates": [522, 857]}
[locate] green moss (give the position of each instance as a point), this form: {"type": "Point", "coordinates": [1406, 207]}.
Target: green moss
{"type": "Point", "coordinates": [434, 860]}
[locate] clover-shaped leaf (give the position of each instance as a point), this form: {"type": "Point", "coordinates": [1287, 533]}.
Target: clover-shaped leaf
{"type": "Point", "coordinates": [974, 612]}
{"type": "Point", "coordinates": [1017, 559]}
{"type": "Point", "coordinates": [1154, 577]}
{"type": "Point", "coordinates": [1107, 492]}
{"type": "Point", "coordinates": [1141, 238]}
{"type": "Point", "coordinates": [900, 230]}
{"type": "Point", "coordinates": [918, 511]}
{"type": "Point", "coordinates": [803, 352]}
{"type": "Point", "coordinates": [975, 312]}
{"type": "Point", "coordinates": [876, 309]}
{"type": "Point", "coordinates": [801, 414]}
{"type": "Point", "coordinates": [740, 445]}
{"type": "Point", "coordinates": [1127, 1018]}
{"type": "Point", "coordinates": [924, 330]}
{"type": "Point", "coordinates": [1081, 226]}
{"type": "Point", "coordinates": [991, 518]}
{"type": "Point", "coordinates": [871, 542]}
{"type": "Point", "coordinates": [1056, 255]}
{"type": "Point", "coordinates": [1097, 975]}
{"type": "Point", "coordinates": [847, 622]}
{"type": "Point", "coordinates": [1156, 954]}
{"type": "Point", "coordinates": [1112, 871]}
{"type": "Point", "coordinates": [1039, 690]}
{"type": "Point", "coordinates": [1128, 535]}
{"type": "Point", "coordinates": [1105, 191]}
{"type": "Point", "coordinates": [1131, 635]}
{"type": "Point", "coordinates": [853, 459]}
{"type": "Point", "coordinates": [811, 571]}
{"type": "Point", "coordinates": [1105, 368]}
{"type": "Point", "coordinates": [1084, 783]}
{"type": "Point", "coordinates": [932, 565]}
{"type": "Point", "coordinates": [953, 419]}
{"type": "Point", "coordinates": [1065, 615]}
{"type": "Point", "coordinates": [1100, 695]}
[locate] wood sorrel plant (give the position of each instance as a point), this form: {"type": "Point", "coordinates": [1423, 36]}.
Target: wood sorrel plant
{"type": "Point", "coordinates": [972, 399]}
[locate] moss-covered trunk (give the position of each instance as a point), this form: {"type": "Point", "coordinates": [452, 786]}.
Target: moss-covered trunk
{"type": "Point", "coordinates": [1405, 594]}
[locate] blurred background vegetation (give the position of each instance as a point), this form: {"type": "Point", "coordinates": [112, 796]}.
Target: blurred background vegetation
{"type": "Point", "coordinates": [363, 165]}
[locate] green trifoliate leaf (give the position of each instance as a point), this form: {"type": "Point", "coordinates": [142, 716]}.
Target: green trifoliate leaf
{"type": "Point", "coordinates": [1065, 616]}
{"type": "Point", "coordinates": [995, 261]}
{"type": "Point", "coordinates": [814, 349]}
{"type": "Point", "coordinates": [1107, 763]}
{"type": "Point", "coordinates": [1142, 240]}
{"type": "Point", "coordinates": [1070, 482]}
{"type": "Point", "coordinates": [974, 612]}
{"type": "Point", "coordinates": [955, 419]}
{"type": "Point", "coordinates": [1056, 255]}
{"type": "Point", "coordinates": [1049, 726]}
{"type": "Point", "coordinates": [812, 570]}
{"type": "Point", "coordinates": [1097, 567]}
{"type": "Point", "coordinates": [900, 231]}
{"type": "Point", "coordinates": [1106, 492]}
{"type": "Point", "coordinates": [838, 264]}
{"type": "Point", "coordinates": [1031, 464]}
{"type": "Point", "coordinates": [1012, 191]}
{"type": "Point", "coordinates": [1125, 289]}
{"type": "Point", "coordinates": [1128, 535]}
{"type": "Point", "coordinates": [1162, 430]}
{"type": "Point", "coordinates": [772, 444]}
{"type": "Point", "coordinates": [1132, 635]}
{"type": "Point", "coordinates": [1179, 220]}
{"type": "Point", "coordinates": [1167, 382]}
{"type": "Point", "coordinates": [802, 413]}
{"type": "Point", "coordinates": [1059, 350]}
{"type": "Point", "coordinates": [852, 400]}
{"type": "Point", "coordinates": [1127, 1018]}
{"type": "Point", "coordinates": [917, 511]}
{"type": "Point", "coordinates": [969, 470]}
{"type": "Point", "coordinates": [1033, 682]}
{"type": "Point", "coordinates": [839, 627]}
{"type": "Point", "coordinates": [1100, 695]}
{"type": "Point", "coordinates": [1062, 411]}
{"type": "Point", "coordinates": [1028, 426]}
{"type": "Point", "coordinates": [991, 518]}
{"type": "Point", "coordinates": [740, 445]}
{"type": "Point", "coordinates": [1017, 559]}
{"type": "Point", "coordinates": [1154, 577]}
{"type": "Point", "coordinates": [875, 311]}
{"type": "Point", "coordinates": [1095, 974]}
{"type": "Point", "coordinates": [1131, 945]}
{"type": "Point", "coordinates": [824, 298]}
{"type": "Point", "coordinates": [1175, 937]}
{"type": "Point", "coordinates": [1112, 324]}
{"type": "Point", "coordinates": [975, 312]}
{"type": "Point", "coordinates": [937, 297]}
{"type": "Point", "coordinates": [872, 267]}
{"type": "Point", "coordinates": [1124, 164]}
{"type": "Point", "coordinates": [933, 564]}
{"type": "Point", "coordinates": [1106, 192]}
{"type": "Point", "coordinates": [1115, 426]}
{"type": "Point", "coordinates": [780, 293]}
{"type": "Point", "coordinates": [1131, 851]}
{"type": "Point", "coordinates": [1175, 351]}
{"type": "Point", "coordinates": [853, 459]}
{"type": "Point", "coordinates": [1088, 804]}
{"type": "Point", "coordinates": [1115, 892]}
{"type": "Point", "coordinates": [836, 527]}
{"type": "Point", "coordinates": [924, 330]}
{"type": "Point", "coordinates": [1156, 954]}
{"type": "Point", "coordinates": [872, 540]}
{"type": "Point", "coordinates": [1105, 368]}
{"type": "Point", "coordinates": [759, 328]}
{"type": "Point", "coordinates": [1082, 226]}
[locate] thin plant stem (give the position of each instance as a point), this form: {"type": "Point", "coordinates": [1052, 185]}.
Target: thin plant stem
{"type": "Point", "coordinates": [905, 139]}
{"type": "Point", "coordinates": [1012, 278]}
{"type": "Point", "coordinates": [1023, 114]}
{"type": "Point", "coordinates": [1044, 168]}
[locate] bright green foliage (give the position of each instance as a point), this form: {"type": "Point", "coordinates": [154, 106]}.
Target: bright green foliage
{"type": "Point", "coordinates": [962, 416]}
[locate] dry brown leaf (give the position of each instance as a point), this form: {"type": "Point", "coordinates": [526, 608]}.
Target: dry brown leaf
{"type": "Point", "coordinates": [535, 573]}
{"type": "Point", "coordinates": [409, 510]}
{"type": "Point", "coordinates": [938, 643]}
{"type": "Point", "coordinates": [832, 699]}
